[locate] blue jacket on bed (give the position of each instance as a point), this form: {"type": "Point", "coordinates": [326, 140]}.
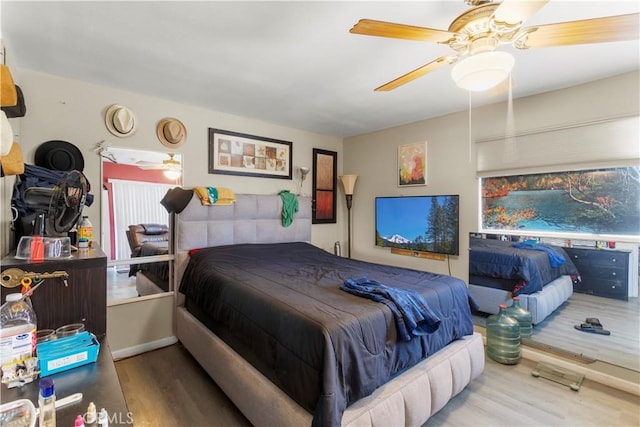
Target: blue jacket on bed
{"type": "Point", "coordinates": [410, 310]}
{"type": "Point", "coordinates": [555, 258]}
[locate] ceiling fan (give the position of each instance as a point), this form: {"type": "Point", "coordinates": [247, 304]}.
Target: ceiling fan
{"type": "Point", "coordinates": [477, 33]}
{"type": "Point", "coordinates": [168, 164]}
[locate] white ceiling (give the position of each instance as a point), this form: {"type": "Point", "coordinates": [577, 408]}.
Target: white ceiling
{"type": "Point", "coordinates": [292, 63]}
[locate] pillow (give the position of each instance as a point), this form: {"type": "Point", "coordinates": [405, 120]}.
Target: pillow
{"type": "Point", "coordinates": [153, 229]}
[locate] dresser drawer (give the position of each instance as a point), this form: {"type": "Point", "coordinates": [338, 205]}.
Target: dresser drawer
{"type": "Point", "coordinates": [595, 257]}
{"type": "Point", "coordinates": [605, 288]}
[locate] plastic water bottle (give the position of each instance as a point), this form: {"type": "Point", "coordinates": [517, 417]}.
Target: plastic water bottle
{"type": "Point", "coordinates": [503, 338]}
{"type": "Point", "coordinates": [85, 230]}
{"type": "Point", "coordinates": [47, 403]}
{"type": "Point", "coordinates": [18, 337]}
{"type": "Point", "coordinates": [523, 317]}
{"type": "Point", "coordinates": [103, 418]}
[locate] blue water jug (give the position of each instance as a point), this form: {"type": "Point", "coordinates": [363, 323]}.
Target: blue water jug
{"type": "Point", "coordinates": [503, 338]}
{"type": "Point", "coordinates": [523, 317]}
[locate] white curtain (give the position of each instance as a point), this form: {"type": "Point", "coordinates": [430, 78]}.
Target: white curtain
{"type": "Point", "coordinates": [136, 203]}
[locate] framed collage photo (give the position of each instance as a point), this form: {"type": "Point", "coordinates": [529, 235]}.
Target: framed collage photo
{"type": "Point", "coordinates": [234, 153]}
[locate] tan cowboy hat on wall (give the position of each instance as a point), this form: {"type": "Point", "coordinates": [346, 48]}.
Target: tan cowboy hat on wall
{"type": "Point", "coordinates": [8, 93]}
{"type": "Point", "coordinates": [120, 121]}
{"type": "Point", "coordinates": [171, 132]}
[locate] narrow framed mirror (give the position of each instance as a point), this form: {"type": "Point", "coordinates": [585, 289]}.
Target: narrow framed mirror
{"type": "Point", "coordinates": [135, 226]}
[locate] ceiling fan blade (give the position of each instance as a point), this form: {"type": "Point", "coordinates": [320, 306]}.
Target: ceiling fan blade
{"type": "Point", "coordinates": [151, 166]}
{"type": "Point", "coordinates": [596, 30]}
{"type": "Point", "coordinates": [412, 75]}
{"type": "Point", "coordinates": [370, 27]}
{"type": "Point", "coordinates": [514, 12]}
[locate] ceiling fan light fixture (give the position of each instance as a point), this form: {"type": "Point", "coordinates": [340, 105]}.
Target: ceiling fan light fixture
{"type": "Point", "coordinates": [172, 174]}
{"type": "Point", "coordinates": [482, 71]}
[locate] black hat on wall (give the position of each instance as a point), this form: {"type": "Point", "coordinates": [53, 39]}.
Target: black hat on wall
{"type": "Point", "coordinates": [60, 156]}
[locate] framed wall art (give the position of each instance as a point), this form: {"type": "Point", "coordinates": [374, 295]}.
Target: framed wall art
{"type": "Point", "coordinates": [412, 164]}
{"type": "Point", "coordinates": [325, 169]}
{"type": "Point", "coordinates": [594, 201]}
{"type": "Point", "coordinates": [234, 153]}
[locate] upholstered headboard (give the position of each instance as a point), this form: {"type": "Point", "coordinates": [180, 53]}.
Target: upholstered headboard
{"type": "Point", "coordinates": [253, 218]}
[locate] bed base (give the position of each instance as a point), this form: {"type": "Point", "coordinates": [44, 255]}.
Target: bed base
{"type": "Point", "coordinates": [410, 399]}
{"type": "Point", "coordinates": [146, 286]}
{"type": "Point", "coordinates": [540, 304]}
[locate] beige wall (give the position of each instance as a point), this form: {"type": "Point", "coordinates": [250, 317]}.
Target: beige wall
{"type": "Point", "coordinates": [73, 111]}
{"type": "Point", "coordinates": [140, 325]}
{"type": "Point", "coordinates": [451, 159]}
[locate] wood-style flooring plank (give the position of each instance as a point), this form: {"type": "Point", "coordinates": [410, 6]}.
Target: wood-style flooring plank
{"type": "Point", "coordinates": [167, 387]}
{"type": "Point", "coordinates": [621, 318]}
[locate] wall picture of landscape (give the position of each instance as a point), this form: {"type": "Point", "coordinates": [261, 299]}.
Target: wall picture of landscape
{"type": "Point", "coordinates": [600, 201]}
{"type": "Point", "coordinates": [419, 223]}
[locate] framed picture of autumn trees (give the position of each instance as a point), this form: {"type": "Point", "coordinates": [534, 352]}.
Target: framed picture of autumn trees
{"type": "Point", "coordinates": [595, 201]}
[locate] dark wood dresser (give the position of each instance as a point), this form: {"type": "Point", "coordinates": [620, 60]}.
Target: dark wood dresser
{"type": "Point", "coordinates": [604, 272]}
{"type": "Point", "coordinates": [82, 300]}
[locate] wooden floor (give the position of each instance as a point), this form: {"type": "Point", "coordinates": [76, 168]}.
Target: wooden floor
{"type": "Point", "coordinates": [621, 318]}
{"type": "Point", "coordinates": [167, 387]}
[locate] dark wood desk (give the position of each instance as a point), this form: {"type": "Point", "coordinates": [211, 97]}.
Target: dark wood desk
{"type": "Point", "coordinates": [98, 382]}
{"type": "Point", "coordinates": [84, 300]}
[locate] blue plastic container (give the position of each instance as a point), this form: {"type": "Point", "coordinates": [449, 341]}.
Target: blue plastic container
{"type": "Point", "coordinates": [66, 353]}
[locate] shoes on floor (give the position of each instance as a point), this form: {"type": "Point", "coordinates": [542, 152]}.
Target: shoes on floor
{"type": "Point", "coordinates": [594, 322]}
{"type": "Point", "coordinates": [592, 325]}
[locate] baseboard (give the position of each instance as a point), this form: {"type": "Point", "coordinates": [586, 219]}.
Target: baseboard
{"type": "Point", "coordinates": [143, 348]}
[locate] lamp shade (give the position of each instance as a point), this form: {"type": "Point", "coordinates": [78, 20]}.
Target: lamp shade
{"type": "Point", "coordinates": [482, 71]}
{"type": "Point", "coordinates": [303, 172]}
{"type": "Point", "coordinates": [349, 183]}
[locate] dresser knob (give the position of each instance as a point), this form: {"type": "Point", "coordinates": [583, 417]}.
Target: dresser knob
{"type": "Point", "coordinates": [613, 274]}
{"type": "Point", "coordinates": [613, 260]}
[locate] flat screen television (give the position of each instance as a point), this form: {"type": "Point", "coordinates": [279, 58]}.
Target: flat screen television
{"type": "Point", "coordinates": [419, 223]}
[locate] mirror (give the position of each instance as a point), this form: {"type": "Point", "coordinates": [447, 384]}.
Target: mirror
{"type": "Point", "coordinates": [135, 226]}
{"type": "Point", "coordinates": [617, 315]}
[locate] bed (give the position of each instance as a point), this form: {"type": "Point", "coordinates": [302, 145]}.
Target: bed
{"type": "Point", "coordinates": [268, 376]}
{"type": "Point", "coordinates": [542, 276]}
{"type": "Point", "coordinates": [148, 240]}
{"type": "Point", "coordinates": [153, 277]}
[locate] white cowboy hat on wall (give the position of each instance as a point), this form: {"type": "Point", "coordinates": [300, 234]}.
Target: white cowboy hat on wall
{"type": "Point", "coordinates": [120, 121]}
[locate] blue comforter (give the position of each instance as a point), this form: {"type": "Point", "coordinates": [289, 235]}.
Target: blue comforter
{"type": "Point", "coordinates": [280, 306]}
{"type": "Point", "coordinates": [529, 269]}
